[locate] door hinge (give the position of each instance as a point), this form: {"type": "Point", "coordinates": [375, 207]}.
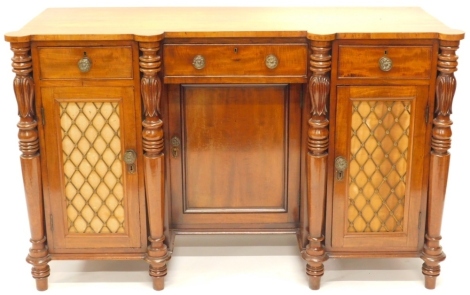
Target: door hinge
{"type": "Point", "coordinates": [419, 221]}
{"type": "Point", "coordinates": [43, 118]}
{"type": "Point", "coordinates": [426, 114]}
{"type": "Point", "coordinates": [52, 222]}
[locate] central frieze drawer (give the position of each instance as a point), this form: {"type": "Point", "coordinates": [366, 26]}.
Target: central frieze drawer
{"type": "Point", "coordinates": [235, 60]}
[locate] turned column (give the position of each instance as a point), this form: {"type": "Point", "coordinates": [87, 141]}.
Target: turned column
{"type": "Point", "coordinates": [439, 167]}
{"type": "Point", "coordinates": [154, 161]}
{"type": "Point", "coordinates": [23, 85]}
{"type": "Point", "coordinates": [317, 158]}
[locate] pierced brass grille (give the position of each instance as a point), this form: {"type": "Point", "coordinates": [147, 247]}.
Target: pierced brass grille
{"type": "Point", "coordinates": [93, 169]}
{"type": "Point", "coordinates": [378, 165]}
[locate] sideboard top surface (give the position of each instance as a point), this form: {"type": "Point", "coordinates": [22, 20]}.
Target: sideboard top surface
{"type": "Point", "coordinates": [156, 23]}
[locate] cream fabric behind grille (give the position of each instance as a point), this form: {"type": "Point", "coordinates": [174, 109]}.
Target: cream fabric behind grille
{"type": "Point", "coordinates": [92, 166]}
{"type": "Point", "coordinates": [378, 165]}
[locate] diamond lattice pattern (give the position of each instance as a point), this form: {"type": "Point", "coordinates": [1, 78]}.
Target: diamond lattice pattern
{"type": "Point", "coordinates": [92, 167]}
{"type": "Point", "coordinates": [378, 165]}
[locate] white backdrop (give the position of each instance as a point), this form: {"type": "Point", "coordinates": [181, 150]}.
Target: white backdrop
{"type": "Point", "coordinates": [212, 264]}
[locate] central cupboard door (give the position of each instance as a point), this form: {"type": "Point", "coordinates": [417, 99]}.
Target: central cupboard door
{"type": "Point", "coordinates": [380, 177]}
{"type": "Point", "coordinates": [234, 156]}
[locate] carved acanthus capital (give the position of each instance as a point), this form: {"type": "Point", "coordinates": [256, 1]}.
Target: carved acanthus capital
{"type": "Point", "coordinates": [151, 86]}
{"type": "Point", "coordinates": [23, 86]}
{"type": "Point", "coordinates": [446, 83]}
{"type": "Point", "coordinates": [319, 90]}
{"type": "Point", "coordinates": [319, 83]}
{"type": "Point", "coordinates": [151, 91]}
{"type": "Point", "coordinates": [445, 89]}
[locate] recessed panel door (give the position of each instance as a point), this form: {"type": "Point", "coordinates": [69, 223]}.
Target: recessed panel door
{"type": "Point", "coordinates": [235, 156]}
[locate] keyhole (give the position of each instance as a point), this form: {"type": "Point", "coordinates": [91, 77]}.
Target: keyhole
{"type": "Point", "coordinates": [175, 152]}
{"type": "Point", "coordinates": [385, 52]}
{"type": "Point", "coordinates": [339, 175]}
{"type": "Point", "coordinates": [235, 50]}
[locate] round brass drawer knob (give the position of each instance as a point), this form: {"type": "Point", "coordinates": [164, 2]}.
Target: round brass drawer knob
{"type": "Point", "coordinates": [271, 61]}
{"type": "Point", "coordinates": [84, 64]}
{"type": "Point", "coordinates": [385, 63]}
{"type": "Point", "coordinates": [199, 62]}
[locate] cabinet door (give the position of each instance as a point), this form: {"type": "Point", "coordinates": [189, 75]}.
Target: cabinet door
{"type": "Point", "coordinates": [235, 159]}
{"type": "Point", "coordinates": [378, 177]}
{"type": "Point", "coordinates": [93, 193]}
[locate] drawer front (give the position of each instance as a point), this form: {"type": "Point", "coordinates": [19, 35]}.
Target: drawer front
{"type": "Point", "coordinates": [407, 62]}
{"type": "Point", "coordinates": [235, 60]}
{"type": "Point", "coordinates": [106, 62]}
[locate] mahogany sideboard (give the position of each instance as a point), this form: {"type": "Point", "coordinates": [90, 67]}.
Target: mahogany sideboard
{"type": "Point", "coordinates": [137, 124]}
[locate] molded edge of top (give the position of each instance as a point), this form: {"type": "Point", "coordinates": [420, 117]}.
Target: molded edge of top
{"type": "Point", "coordinates": [151, 24]}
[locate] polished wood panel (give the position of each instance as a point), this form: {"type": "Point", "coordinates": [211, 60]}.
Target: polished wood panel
{"type": "Point", "coordinates": [106, 62]}
{"type": "Point", "coordinates": [408, 62]}
{"type": "Point", "coordinates": [238, 161]}
{"type": "Point", "coordinates": [230, 137]}
{"type": "Point", "coordinates": [235, 60]}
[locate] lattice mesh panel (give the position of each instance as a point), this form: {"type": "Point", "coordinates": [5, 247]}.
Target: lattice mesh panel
{"type": "Point", "coordinates": [92, 167]}
{"type": "Point", "coordinates": [378, 165]}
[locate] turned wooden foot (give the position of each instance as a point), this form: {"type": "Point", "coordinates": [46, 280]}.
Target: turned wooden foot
{"type": "Point", "coordinates": [314, 281]}
{"type": "Point", "coordinates": [157, 268]}
{"type": "Point", "coordinates": [158, 283]}
{"type": "Point", "coordinates": [158, 276]}
{"type": "Point", "coordinates": [39, 259]}
{"type": "Point", "coordinates": [430, 282]}
{"type": "Point", "coordinates": [431, 270]}
{"type": "Point", "coordinates": [41, 284]}
{"type": "Point", "coordinates": [432, 256]}
{"type": "Point", "coordinates": [430, 275]}
{"type": "Point", "coordinates": [314, 256]}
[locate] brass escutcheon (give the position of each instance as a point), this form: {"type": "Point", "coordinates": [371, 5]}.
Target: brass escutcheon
{"type": "Point", "coordinates": [129, 158]}
{"type": "Point", "coordinates": [340, 164]}
{"type": "Point", "coordinates": [175, 143]}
